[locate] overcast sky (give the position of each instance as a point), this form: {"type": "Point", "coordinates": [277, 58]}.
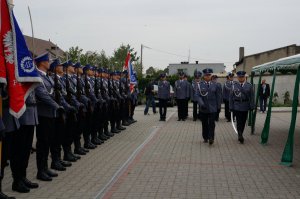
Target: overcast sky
{"type": "Point", "coordinates": [213, 30]}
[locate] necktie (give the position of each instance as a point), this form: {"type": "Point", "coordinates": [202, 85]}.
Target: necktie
{"type": "Point", "coordinates": [242, 85]}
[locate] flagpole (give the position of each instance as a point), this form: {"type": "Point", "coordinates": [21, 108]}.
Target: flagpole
{"type": "Point", "coordinates": [32, 34]}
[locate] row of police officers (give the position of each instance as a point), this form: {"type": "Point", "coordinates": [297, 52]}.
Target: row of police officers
{"type": "Point", "coordinates": [207, 95]}
{"type": "Point", "coordinates": [72, 101]}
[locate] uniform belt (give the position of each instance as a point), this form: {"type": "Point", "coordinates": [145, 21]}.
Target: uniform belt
{"type": "Point", "coordinates": [236, 100]}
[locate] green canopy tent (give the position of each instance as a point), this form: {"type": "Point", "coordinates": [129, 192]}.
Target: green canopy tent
{"type": "Point", "coordinates": [284, 65]}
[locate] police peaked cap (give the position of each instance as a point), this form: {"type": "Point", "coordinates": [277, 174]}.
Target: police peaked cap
{"type": "Point", "coordinates": [241, 73]}
{"type": "Point", "coordinates": [55, 63]}
{"type": "Point", "coordinates": [77, 65]}
{"type": "Point", "coordinates": [197, 74]}
{"type": "Point", "coordinates": [207, 71]}
{"type": "Point", "coordinates": [42, 57]}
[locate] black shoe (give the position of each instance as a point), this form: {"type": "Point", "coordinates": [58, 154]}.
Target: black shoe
{"type": "Point", "coordinates": [51, 173]}
{"type": "Point", "coordinates": [103, 137]}
{"type": "Point", "coordinates": [56, 165]}
{"type": "Point", "coordinates": [96, 141]}
{"type": "Point", "coordinates": [43, 176]}
{"type": "Point", "coordinates": [79, 151]}
{"type": "Point", "coordinates": [20, 187]}
{"type": "Point", "coordinates": [125, 123]}
{"type": "Point", "coordinates": [194, 119]}
{"type": "Point", "coordinates": [69, 157]}
{"type": "Point", "coordinates": [89, 146]}
{"type": "Point", "coordinates": [133, 120]}
{"type": "Point", "coordinates": [183, 119]}
{"type": "Point", "coordinates": [85, 150]}
{"type": "Point", "coordinates": [78, 157]}
{"type": "Point", "coordinates": [241, 139]}
{"type": "Point", "coordinates": [121, 128]}
{"type": "Point", "coordinates": [3, 196]}
{"type": "Point", "coordinates": [65, 163]}
{"type": "Point", "coordinates": [109, 134]}
{"type": "Point", "coordinates": [178, 119]}
{"type": "Point", "coordinates": [205, 141]}
{"type": "Point", "coordinates": [30, 184]}
{"type": "Point", "coordinates": [228, 121]}
{"type": "Point", "coordinates": [93, 146]}
{"type": "Point", "coordinates": [211, 141]}
{"type": "Point", "coordinates": [115, 130]}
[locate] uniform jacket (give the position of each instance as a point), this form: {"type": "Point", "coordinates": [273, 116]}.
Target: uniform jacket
{"type": "Point", "coordinates": [163, 90]}
{"type": "Point", "coordinates": [45, 97]}
{"type": "Point", "coordinates": [30, 116]}
{"type": "Point", "coordinates": [182, 89]}
{"type": "Point", "coordinates": [227, 89]}
{"type": "Point", "coordinates": [208, 97]}
{"type": "Point", "coordinates": [241, 97]}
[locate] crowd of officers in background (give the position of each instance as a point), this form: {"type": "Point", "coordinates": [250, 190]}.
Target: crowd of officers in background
{"type": "Point", "coordinates": [207, 95]}
{"type": "Point", "coordinates": [71, 101]}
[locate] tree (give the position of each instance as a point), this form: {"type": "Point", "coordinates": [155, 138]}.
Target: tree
{"type": "Point", "coordinates": [74, 53]}
{"type": "Point", "coordinates": [119, 56]}
{"type": "Point", "coordinates": [150, 71]}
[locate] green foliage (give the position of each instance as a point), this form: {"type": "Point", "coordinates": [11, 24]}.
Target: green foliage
{"type": "Point", "coordinates": [119, 55]}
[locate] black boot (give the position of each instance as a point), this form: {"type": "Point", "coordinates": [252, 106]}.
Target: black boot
{"type": "Point", "coordinates": [69, 157]}
{"type": "Point", "coordinates": [51, 173]}
{"type": "Point", "coordinates": [125, 123]}
{"type": "Point", "coordinates": [79, 151]}
{"type": "Point", "coordinates": [65, 163]}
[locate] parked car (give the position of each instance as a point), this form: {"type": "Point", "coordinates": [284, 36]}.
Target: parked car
{"type": "Point", "coordinates": [171, 102]}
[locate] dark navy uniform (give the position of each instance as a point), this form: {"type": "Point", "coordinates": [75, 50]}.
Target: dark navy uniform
{"type": "Point", "coordinates": [240, 102]}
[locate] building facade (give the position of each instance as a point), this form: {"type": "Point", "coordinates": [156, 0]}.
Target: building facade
{"type": "Point", "coordinates": [39, 46]}
{"type": "Point", "coordinates": [246, 63]}
{"type": "Point", "coordinates": [189, 68]}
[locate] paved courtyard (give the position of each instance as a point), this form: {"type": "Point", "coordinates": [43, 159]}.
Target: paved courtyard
{"type": "Point", "coordinates": [153, 159]}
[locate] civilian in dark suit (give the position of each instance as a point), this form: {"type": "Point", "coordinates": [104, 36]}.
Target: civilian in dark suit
{"type": "Point", "coordinates": [264, 94]}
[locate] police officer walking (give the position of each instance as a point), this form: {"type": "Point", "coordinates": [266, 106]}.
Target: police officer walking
{"type": "Point", "coordinates": [241, 101]}
{"type": "Point", "coordinates": [163, 96]}
{"type": "Point", "coordinates": [209, 99]}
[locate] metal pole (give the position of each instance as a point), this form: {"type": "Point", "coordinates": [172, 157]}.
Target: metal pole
{"type": "Point", "coordinates": [266, 129]}
{"type": "Point", "coordinates": [32, 34]}
{"type": "Point", "coordinates": [142, 58]}
{"type": "Point", "coordinates": [287, 156]}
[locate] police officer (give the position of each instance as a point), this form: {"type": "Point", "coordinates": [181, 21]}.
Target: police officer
{"type": "Point", "coordinates": [195, 82]}
{"type": "Point", "coordinates": [9, 125]}
{"type": "Point", "coordinates": [21, 147]}
{"type": "Point", "coordinates": [163, 95]}
{"type": "Point", "coordinates": [209, 99]}
{"type": "Point", "coordinates": [226, 92]}
{"type": "Point", "coordinates": [77, 80]}
{"type": "Point", "coordinates": [241, 101]}
{"type": "Point", "coordinates": [181, 92]}
{"type": "Point", "coordinates": [214, 79]}
{"type": "Point", "coordinates": [48, 110]}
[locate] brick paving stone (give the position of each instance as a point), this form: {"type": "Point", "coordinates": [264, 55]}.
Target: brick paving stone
{"type": "Point", "coordinates": [177, 164]}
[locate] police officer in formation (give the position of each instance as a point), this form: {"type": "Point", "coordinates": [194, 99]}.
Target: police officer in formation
{"type": "Point", "coordinates": [195, 87]}
{"type": "Point", "coordinates": [227, 88]}
{"type": "Point", "coordinates": [163, 95]}
{"type": "Point", "coordinates": [69, 102]}
{"type": "Point", "coordinates": [182, 93]}
{"type": "Point", "coordinates": [209, 99]}
{"type": "Point", "coordinates": [241, 100]}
